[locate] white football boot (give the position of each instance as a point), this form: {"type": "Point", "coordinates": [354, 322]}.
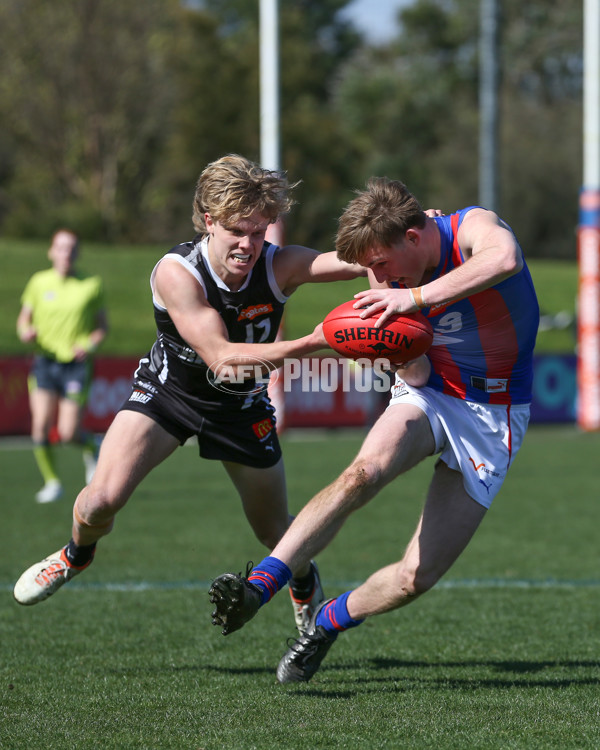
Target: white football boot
{"type": "Point", "coordinates": [50, 492]}
{"type": "Point", "coordinates": [44, 578]}
{"type": "Point", "coordinates": [305, 608]}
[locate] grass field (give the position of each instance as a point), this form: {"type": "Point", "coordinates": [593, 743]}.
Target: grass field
{"type": "Point", "coordinates": [126, 272]}
{"type": "Point", "coordinates": [504, 653]}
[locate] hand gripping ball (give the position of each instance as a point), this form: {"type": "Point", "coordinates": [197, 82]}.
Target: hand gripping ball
{"type": "Point", "coordinates": [402, 338]}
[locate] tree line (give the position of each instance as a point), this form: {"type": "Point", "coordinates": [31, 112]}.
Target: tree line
{"type": "Point", "coordinates": [110, 109]}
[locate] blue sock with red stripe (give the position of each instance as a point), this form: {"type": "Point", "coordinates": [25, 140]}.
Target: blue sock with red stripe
{"type": "Point", "coordinates": [270, 575]}
{"type": "Point", "coordinates": [334, 617]}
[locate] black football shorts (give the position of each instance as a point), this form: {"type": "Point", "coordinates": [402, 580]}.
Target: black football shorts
{"type": "Point", "coordinates": [225, 430]}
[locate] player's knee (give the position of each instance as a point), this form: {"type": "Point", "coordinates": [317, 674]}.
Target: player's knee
{"type": "Point", "coordinates": [270, 539]}
{"type": "Point", "coordinates": [361, 480]}
{"type": "Point", "coordinates": [269, 530]}
{"type": "Point", "coordinates": [423, 581]}
{"type": "Point", "coordinates": [414, 583]}
{"type": "Point", "coordinates": [67, 435]}
{"type": "Point", "coordinates": [96, 508]}
{"type": "Point", "coordinates": [40, 434]}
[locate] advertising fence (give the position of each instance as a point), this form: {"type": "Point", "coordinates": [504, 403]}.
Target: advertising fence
{"type": "Point", "coordinates": [327, 393]}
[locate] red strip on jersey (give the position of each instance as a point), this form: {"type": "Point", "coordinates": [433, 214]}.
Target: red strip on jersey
{"type": "Point", "coordinates": [457, 258]}
{"type": "Point", "coordinates": [444, 366]}
{"type": "Point", "coordinates": [496, 333]}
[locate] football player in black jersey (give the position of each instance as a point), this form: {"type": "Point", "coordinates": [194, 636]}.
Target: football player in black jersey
{"type": "Point", "coordinates": [218, 301]}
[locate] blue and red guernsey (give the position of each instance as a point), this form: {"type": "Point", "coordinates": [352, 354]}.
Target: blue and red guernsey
{"type": "Point", "coordinates": [483, 344]}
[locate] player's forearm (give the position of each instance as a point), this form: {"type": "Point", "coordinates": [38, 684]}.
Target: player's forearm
{"type": "Point", "coordinates": [275, 353]}
{"type": "Point", "coordinates": [96, 338]}
{"type": "Point", "coordinates": [25, 329]}
{"type": "Point", "coordinates": [480, 272]}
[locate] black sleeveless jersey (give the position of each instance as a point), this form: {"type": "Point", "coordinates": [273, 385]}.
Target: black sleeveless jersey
{"type": "Point", "coordinates": [251, 315]}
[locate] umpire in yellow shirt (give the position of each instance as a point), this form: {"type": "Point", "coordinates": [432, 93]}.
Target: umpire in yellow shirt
{"type": "Point", "coordinates": [63, 312]}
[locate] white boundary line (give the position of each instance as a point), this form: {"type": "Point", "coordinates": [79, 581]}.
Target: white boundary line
{"type": "Point", "coordinates": [474, 583]}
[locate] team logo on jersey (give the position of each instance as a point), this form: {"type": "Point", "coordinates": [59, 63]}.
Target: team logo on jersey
{"type": "Point", "coordinates": [437, 309]}
{"type": "Point", "coordinates": [399, 388]}
{"type": "Point", "coordinates": [249, 313]}
{"type": "Point", "coordinates": [263, 429]}
{"type": "Point", "coordinates": [490, 385]}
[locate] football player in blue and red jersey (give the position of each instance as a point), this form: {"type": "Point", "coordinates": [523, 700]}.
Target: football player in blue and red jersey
{"type": "Point", "coordinates": [466, 401]}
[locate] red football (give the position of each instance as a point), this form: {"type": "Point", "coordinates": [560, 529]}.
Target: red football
{"type": "Point", "coordinates": [400, 339]}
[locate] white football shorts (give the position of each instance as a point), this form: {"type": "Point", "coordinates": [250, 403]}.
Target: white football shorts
{"type": "Point", "coordinates": [479, 440]}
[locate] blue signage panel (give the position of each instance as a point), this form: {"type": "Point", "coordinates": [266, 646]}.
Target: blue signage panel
{"type": "Point", "coordinates": [554, 388]}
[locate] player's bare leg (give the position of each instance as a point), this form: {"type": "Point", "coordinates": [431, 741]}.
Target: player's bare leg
{"type": "Point", "coordinates": [134, 444]}
{"type": "Point", "coordinates": [68, 423]}
{"type": "Point", "coordinates": [400, 438]}
{"type": "Point", "coordinates": [264, 498]}
{"type": "Point", "coordinates": [43, 405]}
{"type": "Point", "coordinates": [449, 520]}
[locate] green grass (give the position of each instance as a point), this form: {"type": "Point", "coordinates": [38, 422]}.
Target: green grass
{"type": "Point", "coordinates": [126, 273]}
{"type": "Point", "coordinates": [504, 653]}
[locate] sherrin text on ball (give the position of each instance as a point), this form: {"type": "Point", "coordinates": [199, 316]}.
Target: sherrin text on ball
{"type": "Point", "coordinates": [400, 339]}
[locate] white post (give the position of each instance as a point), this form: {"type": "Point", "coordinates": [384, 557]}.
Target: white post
{"type": "Point", "coordinates": [269, 84]}
{"type": "Point", "coordinates": [488, 104]}
{"type": "Point", "coordinates": [269, 150]}
{"type": "Point", "coordinates": [591, 94]}
{"type": "Point", "coordinates": [588, 235]}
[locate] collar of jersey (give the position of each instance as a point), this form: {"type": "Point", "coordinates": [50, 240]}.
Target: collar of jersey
{"type": "Point", "coordinates": [216, 278]}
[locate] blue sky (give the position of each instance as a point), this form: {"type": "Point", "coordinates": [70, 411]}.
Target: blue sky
{"type": "Point", "coordinates": [376, 18]}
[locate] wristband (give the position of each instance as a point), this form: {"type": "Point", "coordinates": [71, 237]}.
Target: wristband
{"type": "Point", "coordinates": [417, 296]}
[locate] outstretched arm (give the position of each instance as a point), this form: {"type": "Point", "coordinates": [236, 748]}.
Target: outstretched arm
{"type": "Point", "coordinates": [294, 265]}
{"type": "Point", "coordinates": [204, 330]}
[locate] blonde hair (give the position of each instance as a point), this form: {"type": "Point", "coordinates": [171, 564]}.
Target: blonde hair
{"type": "Point", "coordinates": [378, 217]}
{"type": "Point", "coordinates": [233, 188]}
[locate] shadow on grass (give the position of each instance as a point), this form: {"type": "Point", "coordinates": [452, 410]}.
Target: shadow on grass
{"type": "Point", "coordinates": [250, 671]}
{"type": "Point", "coordinates": [514, 665]}
{"type": "Point", "coordinates": [405, 675]}
{"type": "Point", "coordinates": [410, 676]}
{"type": "Point", "coordinates": [401, 675]}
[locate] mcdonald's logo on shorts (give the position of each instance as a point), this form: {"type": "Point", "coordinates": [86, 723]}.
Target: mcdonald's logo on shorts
{"type": "Point", "coordinates": [262, 428]}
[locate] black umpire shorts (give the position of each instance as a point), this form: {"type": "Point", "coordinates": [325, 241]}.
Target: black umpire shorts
{"type": "Point", "coordinates": [67, 379]}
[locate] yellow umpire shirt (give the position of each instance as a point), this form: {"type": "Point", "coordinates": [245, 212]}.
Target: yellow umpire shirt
{"type": "Point", "coordinates": [64, 311]}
